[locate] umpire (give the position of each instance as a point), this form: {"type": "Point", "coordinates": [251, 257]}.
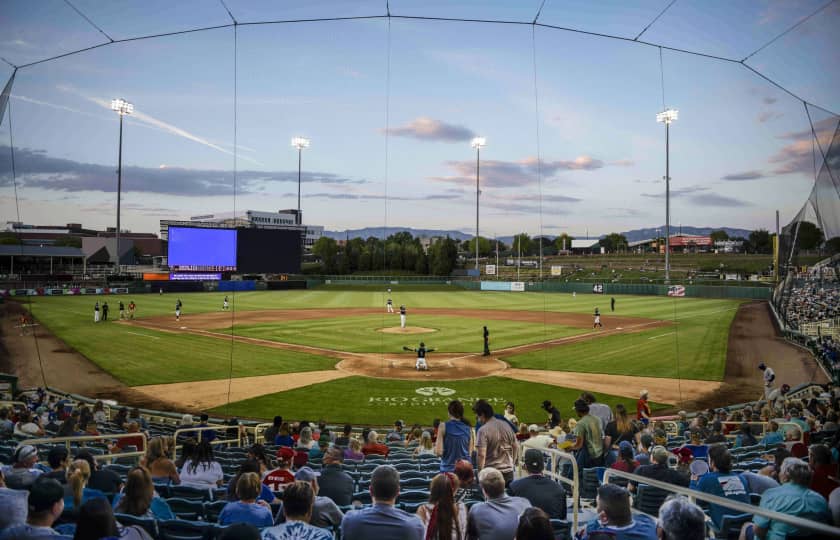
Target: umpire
{"type": "Point", "coordinates": [486, 342]}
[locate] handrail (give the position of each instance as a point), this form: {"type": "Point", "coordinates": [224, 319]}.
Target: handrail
{"type": "Point", "coordinates": [256, 429]}
{"type": "Point", "coordinates": [83, 438]}
{"type": "Point", "coordinates": [558, 456]}
{"type": "Point", "coordinates": [198, 429]}
{"type": "Point", "coordinates": [13, 404]}
{"type": "Point", "coordinates": [742, 508]}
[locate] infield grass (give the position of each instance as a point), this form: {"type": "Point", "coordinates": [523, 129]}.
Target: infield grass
{"type": "Point", "coordinates": [363, 400]}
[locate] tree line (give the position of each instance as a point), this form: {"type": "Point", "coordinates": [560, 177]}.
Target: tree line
{"type": "Point", "coordinates": [400, 251]}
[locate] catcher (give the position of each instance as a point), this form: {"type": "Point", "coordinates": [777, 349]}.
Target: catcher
{"type": "Point", "coordinates": [421, 356]}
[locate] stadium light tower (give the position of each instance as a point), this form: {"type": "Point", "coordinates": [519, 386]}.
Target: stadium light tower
{"type": "Point", "coordinates": [300, 143]}
{"type": "Point", "coordinates": [666, 117]}
{"type": "Point", "coordinates": [121, 107]}
{"type": "Point", "coordinates": [477, 143]}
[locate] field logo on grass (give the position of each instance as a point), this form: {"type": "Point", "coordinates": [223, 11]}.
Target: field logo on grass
{"type": "Point", "coordinates": [435, 390]}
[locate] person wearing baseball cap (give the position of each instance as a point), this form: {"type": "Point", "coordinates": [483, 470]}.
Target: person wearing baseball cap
{"type": "Point", "coordinates": [642, 408]}
{"type": "Point", "coordinates": [46, 503]}
{"type": "Point", "coordinates": [541, 491]}
{"type": "Point", "coordinates": [536, 440]}
{"type": "Point", "coordinates": [325, 513]}
{"type": "Point", "coordinates": [282, 475]}
{"type": "Point", "coordinates": [23, 472]}
{"type": "Point", "coordinates": [589, 445]}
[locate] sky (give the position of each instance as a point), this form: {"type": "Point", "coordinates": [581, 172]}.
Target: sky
{"type": "Point", "coordinates": [391, 106]}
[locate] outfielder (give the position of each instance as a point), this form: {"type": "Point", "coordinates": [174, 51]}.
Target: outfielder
{"type": "Point", "coordinates": [225, 304]}
{"type": "Point", "coordinates": [597, 319]}
{"type": "Point", "coordinates": [421, 356]}
{"type": "Point", "coordinates": [402, 316]}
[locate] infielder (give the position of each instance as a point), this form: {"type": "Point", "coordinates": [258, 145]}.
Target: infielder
{"type": "Point", "coordinates": [225, 304]}
{"type": "Point", "coordinates": [122, 310]}
{"type": "Point", "coordinates": [421, 356]}
{"type": "Point", "coordinates": [597, 319]}
{"type": "Point", "coordinates": [131, 308]}
{"type": "Point", "coordinates": [389, 305]}
{"type": "Point", "coordinates": [96, 312]}
{"type": "Point", "coordinates": [178, 305]}
{"type": "Point", "coordinates": [402, 316]}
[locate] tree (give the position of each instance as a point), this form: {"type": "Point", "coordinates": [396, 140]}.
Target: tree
{"type": "Point", "coordinates": [614, 242]}
{"type": "Point", "coordinates": [759, 241]}
{"type": "Point", "coordinates": [719, 236]}
{"type": "Point", "coordinates": [833, 245]}
{"type": "Point", "coordinates": [485, 246]}
{"type": "Point", "coordinates": [809, 236]}
{"type": "Point", "coordinates": [442, 257]}
{"type": "Point", "coordinates": [326, 249]}
{"type": "Point", "coordinates": [564, 241]}
{"type": "Point", "coordinates": [522, 243]}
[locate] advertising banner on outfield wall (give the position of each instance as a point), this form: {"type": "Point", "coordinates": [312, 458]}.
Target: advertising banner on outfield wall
{"type": "Point", "coordinates": [490, 269]}
{"type": "Point", "coordinates": [556, 270]}
{"type": "Point", "coordinates": [61, 292]}
{"type": "Point", "coordinates": [515, 286]}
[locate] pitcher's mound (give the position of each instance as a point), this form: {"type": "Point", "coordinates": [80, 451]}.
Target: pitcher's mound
{"type": "Point", "coordinates": [406, 330]}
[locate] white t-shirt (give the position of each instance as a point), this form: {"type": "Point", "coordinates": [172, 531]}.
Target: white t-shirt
{"type": "Point", "coordinates": [769, 376]}
{"type": "Point", "coordinates": [206, 475]}
{"type": "Point", "coordinates": [28, 429]}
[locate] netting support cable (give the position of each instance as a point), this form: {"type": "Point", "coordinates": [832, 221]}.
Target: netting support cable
{"type": "Point", "coordinates": [10, 64]}
{"type": "Point", "coordinates": [793, 27]}
{"type": "Point", "coordinates": [387, 167]}
{"type": "Point", "coordinates": [90, 22]}
{"type": "Point", "coordinates": [539, 12]}
{"type": "Point", "coordinates": [232, 306]}
{"type": "Point", "coordinates": [661, 13]}
{"type": "Point", "coordinates": [232, 18]}
{"type": "Point", "coordinates": [539, 181]}
{"type": "Point", "coordinates": [816, 138]}
{"type": "Point", "coordinates": [662, 77]}
{"type": "Point", "coordinates": [785, 90]}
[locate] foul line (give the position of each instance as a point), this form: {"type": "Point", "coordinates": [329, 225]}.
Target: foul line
{"type": "Point", "coordinates": [662, 335]}
{"type": "Point", "coordinates": [139, 334]}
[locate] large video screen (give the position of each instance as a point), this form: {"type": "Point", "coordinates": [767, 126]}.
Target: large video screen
{"type": "Point", "coordinates": [268, 251]}
{"type": "Point", "coordinates": [202, 249]}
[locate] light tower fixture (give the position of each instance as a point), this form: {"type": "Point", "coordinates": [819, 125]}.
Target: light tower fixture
{"type": "Point", "coordinates": [123, 108]}
{"type": "Point", "coordinates": [666, 117]}
{"type": "Point", "coordinates": [300, 143]}
{"type": "Point", "coordinates": [478, 143]}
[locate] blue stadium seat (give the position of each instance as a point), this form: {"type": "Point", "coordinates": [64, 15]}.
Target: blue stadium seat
{"type": "Point", "coordinates": [362, 496]}
{"type": "Point", "coordinates": [189, 492]}
{"type": "Point", "coordinates": [562, 529]}
{"type": "Point", "coordinates": [179, 529]}
{"type": "Point", "coordinates": [414, 483]}
{"type": "Point", "coordinates": [149, 524]}
{"type": "Point", "coordinates": [730, 525]}
{"type": "Point", "coordinates": [190, 510]}
{"type": "Point", "coordinates": [648, 499]}
{"type": "Point", "coordinates": [213, 509]}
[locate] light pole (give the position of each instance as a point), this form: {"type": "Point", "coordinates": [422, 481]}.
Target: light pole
{"type": "Point", "coordinates": [122, 107]}
{"type": "Point", "coordinates": [477, 143]}
{"type": "Point", "coordinates": [300, 143]}
{"type": "Point", "coordinates": [666, 117]}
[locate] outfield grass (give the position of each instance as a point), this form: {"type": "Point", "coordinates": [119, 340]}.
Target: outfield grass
{"type": "Point", "coordinates": [362, 400]}
{"type": "Point", "coordinates": [359, 334]}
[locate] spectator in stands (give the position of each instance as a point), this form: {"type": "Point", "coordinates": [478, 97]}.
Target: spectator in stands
{"type": "Point", "coordinates": [598, 410]}
{"type": "Point", "coordinates": [745, 437]}
{"type": "Point", "coordinates": [284, 436]}
{"type": "Point", "coordinates": [158, 463]}
{"type": "Point", "coordinates": [14, 505]}
{"type": "Point", "coordinates": [614, 515]}
{"type": "Point", "coordinates": [643, 408]}
{"type": "Point", "coordinates": [335, 483]}
{"type": "Point", "coordinates": [536, 440]}
{"type": "Point", "coordinates": [823, 471]}
{"type": "Point", "coordinates": [7, 427]}
{"type": "Point", "coordinates": [343, 440]}
{"type": "Point", "coordinates": [374, 447]}
{"type": "Point", "coordinates": [554, 418]}
{"type": "Point", "coordinates": [772, 435]}
{"type": "Point", "coordinates": [104, 480]}
{"type": "Point", "coordinates": [59, 459]}
{"type": "Point", "coordinates": [588, 446]}
{"type": "Point", "coordinates": [796, 418]}
{"type": "Point", "coordinates": [96, 521]}
{"type": "Point", "coordinates": [455, 440]}
{"type": "Point", "coordinates": [28, 426]}
{"type": "Point", "coordinates": [99, 415]}
{"type": "Point", "coordinates": [354, 450]}
{"type": "Point", "coordinates": [273, 430]}
{"type": "Point", "coordinates": [139, 497]}
{"type": "Point", "coordinates": [413, 437]}
{"type": "Point", "coordinates": [794, 498]}
{"type": "Point", "coordinates": [698, 469]}
{"type": "Point", "coordinates": [679, 519]}
{"type": "Point", "coordinates": [382, 521]}
{"type": "Point", "coordinates": [46, 503]}
{"type": "Point", "coordinates": [248, 509]}
{"type": "Point", "coordinates": [659, 470]}
{"type": "Point", "coordinates": [645, 444]}
{"type": "Point", "coordinates": [134, 416]}
{"type": "Point", "coordinates": [396, 434]}
{"type": "Point", "coordinates": [208, 435]}
{"type": "Point", "coordinates": [187, 449]}
{"type": "Point", "coordinates": [298, 499]}
{"type": "Point", "coordinates": [626, 460]}
{"type": "Point", "coordinates": [497, 517]}
{"type": "Point", "coordinates": [775, 465]}
{"type": "Point", "coordinates": [23, 472]}
{"type": "Point", "coordinates": [496, 445]}
{"type": "Point", "coordinates": [722, 482]}
{"type": "Point", "coordinates": [620, 429]}
{"type": "Point", "coordinates": [201, 470]}
{"type": "Point", "coordinates": [425, 447]}
{"type": "Point", "coordinates": [319, 447]}
{"type": "Point", "coordinates": [443, 516]}
{"type": "Point", "coordinates": [534, 524]}
{"type": "Point", "coordinates": [76, 491]}
{"type": "Point", "coordinates": [325, 513]}
{"type": "Point", "coordinates": [510, 413]}
{"type": "Point", "coordinates": [540, 490]}
{"type": "Point", "coordinates": [717, 435]}
{"type": "Point", "coordinates": [305, 441]}
{"type": "Point", "coordinates": [121, 418]}
{"type": "Point", "coordinates": [70, 427]}
{"type": "Point", "coordinates": [282, 475]}
{"type": "Point", "coordinates": [136, 441]}
{"type": "Point", "coordinates": [249, 466]}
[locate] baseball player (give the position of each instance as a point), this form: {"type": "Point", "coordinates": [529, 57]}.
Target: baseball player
{"type": "Point", "coordinates": [96, 312]}
{"type": "Point", "coordinates": [486, 342]}
{"type": "Point", "coordinates": [178, 306]}
{"type": "Point", "coordinates": [389, 305]}
{"type": "Point", "coordinates": [122, 310]}
{"type": "Point", "coordinates": [225, 304]}
{"type": "Point", "coordinates": [612, 304]}
{"type": "Point", "coordinates": [402, 316]}
{"type": "Point", "coordinates": [131, 308]}
{"type": "Point", "coordinates": [769, 378]}
{"type": "Point", "coordinates": [421, 356]}
{"type": "Point", "coordinates": [597, 319]}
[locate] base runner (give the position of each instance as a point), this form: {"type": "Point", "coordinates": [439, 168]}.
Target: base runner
{"type": "Point", "coordinates": [597, 319]}
{"type": "Point", "coordinates": [421, 356]}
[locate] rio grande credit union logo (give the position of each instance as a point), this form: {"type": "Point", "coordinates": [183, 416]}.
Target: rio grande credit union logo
{"type": "Point", "coordinates": [435, 390]}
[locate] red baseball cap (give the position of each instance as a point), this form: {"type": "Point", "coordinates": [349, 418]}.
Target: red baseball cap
{"type": "Point", "coordinates": [285, 453]}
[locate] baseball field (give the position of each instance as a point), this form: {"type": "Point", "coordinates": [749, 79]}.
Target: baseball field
{"type": "Point", "coordinates": [334, 352]}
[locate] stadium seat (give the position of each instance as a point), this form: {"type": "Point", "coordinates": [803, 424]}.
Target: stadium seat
{"type": "Point", "coordinates": [562, 529]}
{"type": "Point", "coordinates": [149, 524]}
{"type": "Point", "coordinates": [189, 492]}
{"type": "Point", "coordinates": [178, 529]}
{"type": "Point", "coordinates": [362, 496]}
{"type": "Point", "coordinates": [213, 509]}
{"type": "Point", "coordinates": [408, 475]}
{"type": "Point", "coordinates": [648, 499]}
{"type": "Point", "coordinates": [730, 525]}
{"type": "Point", "coordinates": [190, 510]}
{"type": "Point", "coordinates": [414, 483]}
{"type": "Point", "coordinates": [589, 483]}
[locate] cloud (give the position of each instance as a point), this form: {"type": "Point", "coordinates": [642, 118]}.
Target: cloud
{"type": "Point", "coordinates": [713, 199]}
{"type": "Point", "coordinates": [797, 156]}
{"type": "Point", "coordinates": [746, 175]}
{"type": "Point", "coordinates": [769, 100]}
{"type": "Point", "coordinates": [429, 129]}
{"type": "Point", "coordinates": [379, 196]}
{"type": "Point", "coordinates": [36, 169]}
{"type": "Point", "coordinates": [505, 174]}
{"type": "Point", "coordinates": [623, 163]}
{"type": "Point", "coordinates": [766, 116]}
{"type": "Point", "coordinates": [678, 192]}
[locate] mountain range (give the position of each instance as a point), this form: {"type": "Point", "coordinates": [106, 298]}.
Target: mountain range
{"type": "Point", "coordinates": [632, 236]}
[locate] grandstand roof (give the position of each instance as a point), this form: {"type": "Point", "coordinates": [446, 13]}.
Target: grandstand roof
{"type": "Point", "coordinates": [39, 251]}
